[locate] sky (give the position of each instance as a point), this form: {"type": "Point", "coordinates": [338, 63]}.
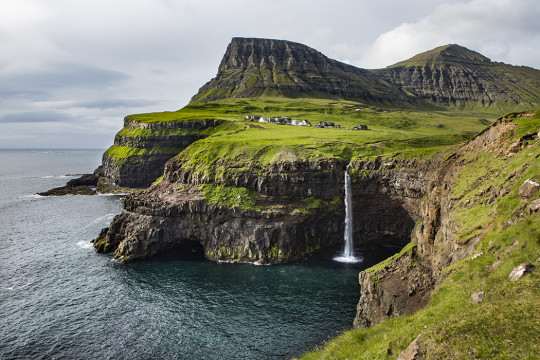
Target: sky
{"type": "Point", "coordinates": [71, 70]}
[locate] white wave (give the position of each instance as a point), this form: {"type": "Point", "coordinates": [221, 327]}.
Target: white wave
{"type": "Point", "coordinates": [34, 196]}
{"type": "Point", "coordinates": [58, 176]}
{"type": "Point", "coordinates": [108, 194]}
{"type": "Point", "coordinates": [85, 244]}
{"type": "Point", "coordinates": [12, 288]}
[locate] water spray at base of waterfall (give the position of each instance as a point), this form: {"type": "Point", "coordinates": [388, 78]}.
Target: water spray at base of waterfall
{"type": "Point", "coordinates": [348, 252]}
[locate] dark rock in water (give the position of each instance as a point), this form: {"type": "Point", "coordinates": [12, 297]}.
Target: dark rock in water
{"type": "Point", "coordinates": [84, 180]}
{"type": "Point", "coordinates": [69, 190]}
{"type": "Point", "coordinates": [85, 185]}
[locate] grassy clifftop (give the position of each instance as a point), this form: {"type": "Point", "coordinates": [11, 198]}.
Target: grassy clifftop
{"type": "Point", "coordinates": [411, 133]}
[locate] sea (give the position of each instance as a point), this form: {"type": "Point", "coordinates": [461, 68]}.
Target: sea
{"type": "Point", "coordinates": [59, 299]}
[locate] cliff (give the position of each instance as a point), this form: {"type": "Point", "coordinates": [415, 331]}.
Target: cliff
{"type": "Point", "coordinates": [478, 228]}
{"type": "Point", "coordinates": [141, 150]}
{"type": "Point", "coordinates": [262, 218]}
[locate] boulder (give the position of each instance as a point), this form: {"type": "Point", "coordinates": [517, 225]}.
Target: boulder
{"type": "Point", "coordinates": [534, 207]}
{"type": "Point", "coordinates": [519, 271]}
{"type": "Point", "coordinates": [512, 247]}
{"type": "Point", "coordinates": [493, 267]}
{"type": "Point", "coordinates": [528, 189]}
{"type": "Point", "coordinates": [412, 352]}
{"type": "Point", "coordinates": [477, 298]}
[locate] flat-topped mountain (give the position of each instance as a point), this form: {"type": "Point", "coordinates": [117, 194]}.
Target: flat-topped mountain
{"type": "Point", "coordinates": [449, 75]}
{"type": "Point", "coordinates": [253, 67]}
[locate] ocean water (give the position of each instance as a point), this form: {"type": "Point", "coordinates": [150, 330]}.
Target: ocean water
{"type": "Point", "coordinates": [59, 299]}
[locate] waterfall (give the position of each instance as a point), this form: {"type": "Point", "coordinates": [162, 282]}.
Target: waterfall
{"type": "Point", "coordinates": [348, 250]}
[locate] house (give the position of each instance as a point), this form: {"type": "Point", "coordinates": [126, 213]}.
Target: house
{"type": "Point", "coordinates": [360, 127]}
{"type": "Point", "coordinates": [324, 124]}
{"type": "Point", "coordinates": [262, 119]}
{"type": "Point", "coordinates": [306, 123]}
{"type": "Point", "coordinates": [297, 123]}
{"type": "Point", "coordinates": [253, 117]}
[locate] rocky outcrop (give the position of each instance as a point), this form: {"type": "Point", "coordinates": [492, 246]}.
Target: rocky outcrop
{"type": "Point", "coordinates": [84, 185]}
{"type": "Point", "coordinates": [148, 151]}
{"type": "Point", "coordinates": [400, 287]}
{"type": "Point", "coordinates": [169, 215]}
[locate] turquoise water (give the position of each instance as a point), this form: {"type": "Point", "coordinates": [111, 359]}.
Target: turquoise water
{"type": "Point", "coordinates": [60, 299]}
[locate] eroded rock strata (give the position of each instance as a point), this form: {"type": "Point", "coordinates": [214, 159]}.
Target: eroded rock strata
{"type": "Point", "coordinates": [277, 229]}
{"type": "Point", "coordinates": [147, 147]}
{"type": "Point", "coordinates": [281, 227]}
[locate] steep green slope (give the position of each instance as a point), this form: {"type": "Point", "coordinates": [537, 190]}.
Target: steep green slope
{"type": "Point", "coordinates": [500, 225]}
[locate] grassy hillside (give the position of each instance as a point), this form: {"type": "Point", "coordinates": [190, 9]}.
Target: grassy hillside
{"type": "Point", "coordinates": [506, 324]}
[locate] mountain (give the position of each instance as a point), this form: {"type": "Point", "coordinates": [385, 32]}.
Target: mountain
{"type": "Point", "coordinates": [253, 67]}
{"type": "Point", "coordinates": [452, 75]}
{"type": "Point", "coordinates": [449, 75]}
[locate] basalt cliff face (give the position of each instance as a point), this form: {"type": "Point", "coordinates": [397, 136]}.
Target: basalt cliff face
{"type": "Point", "coordinates": [175, 212]}
{"type": "Point", "coordinates": [141, 150]}
{"type": "Point", "coordinates": [281, 227]}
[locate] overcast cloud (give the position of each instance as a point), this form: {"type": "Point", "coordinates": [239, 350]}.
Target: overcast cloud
{"type": "Point", "coordinates": [70, 70]}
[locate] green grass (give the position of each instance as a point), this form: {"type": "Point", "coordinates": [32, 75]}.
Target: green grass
{"type": "Point", "coordinates": [125, 153]}
{"type": "Point", "coordinates": [230, 196]}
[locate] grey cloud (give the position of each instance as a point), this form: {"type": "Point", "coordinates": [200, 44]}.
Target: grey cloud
{"type": "Point", "coordinates": [37, 117]}
{"type": "Point", "coordinates": [115, 103]}
{"type": "Point", "coordinates": [64, 76]}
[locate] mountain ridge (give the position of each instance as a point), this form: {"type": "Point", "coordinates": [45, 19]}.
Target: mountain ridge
{"type": "Point", "coordinates": [449, 76]}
